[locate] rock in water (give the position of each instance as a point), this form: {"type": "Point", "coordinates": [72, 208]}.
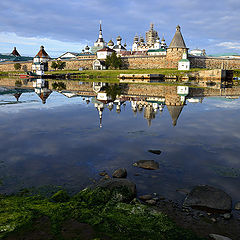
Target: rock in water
{"type": "Point", "coordinates": [115, 183]}
{"type": "Point", "coordinates": [208, 197]}
{"type": "Point", "coordinates": [145, 197]}
{"type": "Point", "coordinates": [218, 237]}
{"type": "Point", "coordinates": [158, 152]}
{"type": "Point", "coordinates": [237, 206]}
{"type": "Point", "coordinates": [147, 164]}
{"type": "Point", "coordinates": [120, 173]}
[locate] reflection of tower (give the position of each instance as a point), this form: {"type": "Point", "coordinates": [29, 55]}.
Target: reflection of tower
{"type": "Point", "coordinates": [140, 107]}
{"type": "Point", "coordinates": [41, 89]}
{"type": "Point", "coordinates": [175, 112]}
{"type": "Point", "coordinates": [161, 106]}
{"type": "Point", "coordinates": [87, 101]}
{"type": "Point", "coordinates": [110, 106]}
{"type": "Point", "coordinates": [100, 107]}
{"type": "Point", "coordinates": [134, 106]}
{"type": "Point", "coordinates": [17, 96]}
{"type": "Point", "coordinates": [149, 114]}
{"type": "Point", "coordinates": [118, 108]}
{"type": "Point", "coordinates": [97, 86]}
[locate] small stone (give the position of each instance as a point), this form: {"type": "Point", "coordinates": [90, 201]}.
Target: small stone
{"type": "Point", "coordinates": [145, 197]}
{"type": "Point", "coordinates": [103, 173]}
{"type": "Point", "coordinates": [237, 206]}
{"type": "Point", "coordinates": [107, 177]}
{"type": "Point", "coordinates": [156, 199]}
{"type": "Point", "coordinates": [157, 152]}
{"type": "Point", "coordinates": [147, 164]}
{"type": "Point", "coordinates": [218, 237]}
{"type": "Point", "coordinates": [213, 220]}
{"type": "Point", "coordinates": [227, 216]}
{"type": "Point", "coordinates": [201, 215]}
{"type": "Point", "coordinates": [120, 173]}
{"type": "Point", "coordinates": [151, 202]}
{"type": "Point", "coordinates": [161, 198]}
{"type": "Point", "coordinates": [183, 191]}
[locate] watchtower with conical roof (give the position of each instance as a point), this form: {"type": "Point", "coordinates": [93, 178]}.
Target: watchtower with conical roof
{"type": "Point", "coordinates": [176, 48]}
{"type": "Point", "coordinates": [15, 53]}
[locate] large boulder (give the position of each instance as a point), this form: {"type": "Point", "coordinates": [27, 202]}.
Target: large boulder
{"type": "Point", "coordinates": [120, 184]}
{"type": "Point", "coordinates": [147, 164]}
{"type": "Point", "coordinates": [208, 197]}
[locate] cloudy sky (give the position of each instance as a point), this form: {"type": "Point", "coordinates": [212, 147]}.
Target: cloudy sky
{"type": "Point", "coordinates": [62, 25]}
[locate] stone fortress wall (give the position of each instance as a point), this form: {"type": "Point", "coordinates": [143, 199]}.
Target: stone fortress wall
{"type": "Point", "coordinates": [142, 62]}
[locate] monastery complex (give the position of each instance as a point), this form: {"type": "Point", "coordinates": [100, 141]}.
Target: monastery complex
{"type": "Point", "coordinates": [149, 53]}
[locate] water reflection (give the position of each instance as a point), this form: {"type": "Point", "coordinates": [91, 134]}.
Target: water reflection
{"type": "Point", "coordinates": [62, 143]}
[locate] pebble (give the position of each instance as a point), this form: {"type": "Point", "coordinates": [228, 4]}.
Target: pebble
{"type": "Point", "coordinates": [237, 206]}
{"type": "Point", "coordinates": [213, 220]}
{"type": "Point", "coordinates": [103, 174]}
{"type": "Point", "coordinates": [227, 216]}
{"type": "Point", "coordinates": [151, 202]}
{"type": "Point", "coordinates": [161, 198]}
{"type": "Point", "coordinates": [145, 197]}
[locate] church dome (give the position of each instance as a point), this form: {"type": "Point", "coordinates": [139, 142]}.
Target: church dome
{"type": "Point", "coordinates": [110, 43]}
{"type": "Point", "coordinates": [119, 38]}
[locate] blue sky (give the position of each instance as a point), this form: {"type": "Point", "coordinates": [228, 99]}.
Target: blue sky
{"type": "Point", "coordinates": [70, 25]}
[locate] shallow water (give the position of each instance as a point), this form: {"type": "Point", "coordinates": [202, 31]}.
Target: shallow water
{"type": "Point", "coordinates": [61, 143]}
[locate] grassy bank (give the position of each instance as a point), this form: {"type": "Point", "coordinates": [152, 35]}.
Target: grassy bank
{"type": "Point", "coordinates": [115, 73]}
{"type": "Point", "coordinates": [96, 214]}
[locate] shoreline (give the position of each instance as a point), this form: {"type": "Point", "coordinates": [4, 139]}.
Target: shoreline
{"type": "Point", "coordinates": [200, 222]}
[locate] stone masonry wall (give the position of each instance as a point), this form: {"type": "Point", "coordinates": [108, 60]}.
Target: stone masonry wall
{"type": "Point", "coordinates": [214, 63]}
{"type": "Point", "coordinates": [70, 65]}
{"type": "Point", "coordinates": [10, 66]}
{"type": "Point", "coordinates": [144, 62]}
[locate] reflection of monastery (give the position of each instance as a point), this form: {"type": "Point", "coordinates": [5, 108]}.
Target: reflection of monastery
{"type": "Point", "coordinates": [145, 100]}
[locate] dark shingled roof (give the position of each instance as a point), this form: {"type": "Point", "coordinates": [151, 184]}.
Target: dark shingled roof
{"type": "Point", "coordinates": [42, 53]}
{"type": "Point", "coordinates": [175, 112]}
{"type": "Point", "coordinates": [15, 52]}
{"type": "Point", "coordinates": [106, 49]}
{"type": "Point", "coordinates": [178, 41]}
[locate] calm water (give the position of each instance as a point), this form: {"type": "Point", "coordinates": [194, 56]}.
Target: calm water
{"type": "Point", "coordinates": [61, 142]}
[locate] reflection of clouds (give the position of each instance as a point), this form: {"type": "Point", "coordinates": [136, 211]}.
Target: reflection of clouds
{"type": "Point", "coordinates": [222, 102]}
{"type": "Point", "coordinates": [30, 101]}
{"type": "Point", "coordinates": [65, 145]}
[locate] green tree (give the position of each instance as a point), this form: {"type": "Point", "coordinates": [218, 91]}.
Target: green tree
{"type": "Point", "coordinates": [113, 90]}
{"type": "Point", "coordinates": [61, 65]}
{"type": "Point", "coordinates": [113, 61]}
{"type": "Point", "coordinates": [17, 66]}
{"type": "Point", "coordinates": [54, 65]}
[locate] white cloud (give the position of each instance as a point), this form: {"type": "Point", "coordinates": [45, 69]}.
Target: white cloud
{"type": "Point", "coordinates": [30, 45]}
{"type": "Point", "coordinates": [230, 45]}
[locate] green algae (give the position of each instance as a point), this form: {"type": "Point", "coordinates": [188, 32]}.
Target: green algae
{"type": "Point", "coordinates": [106, 211]}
